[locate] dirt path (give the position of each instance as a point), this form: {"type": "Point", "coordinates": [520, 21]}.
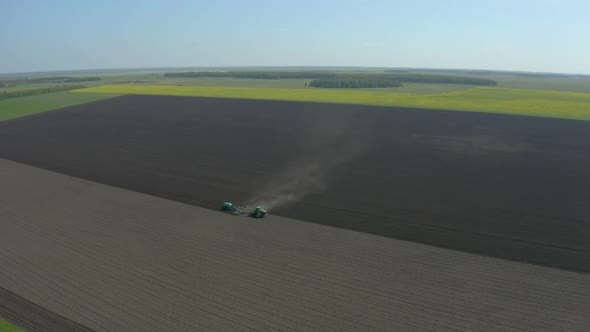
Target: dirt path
{"type": "Point", "coordinates": [112, 259]}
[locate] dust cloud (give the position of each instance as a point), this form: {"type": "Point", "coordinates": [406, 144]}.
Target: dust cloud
{"type": "Point", "coordinates": [304, 178]}
{"type": "Point", "coordinates": [322, 150]}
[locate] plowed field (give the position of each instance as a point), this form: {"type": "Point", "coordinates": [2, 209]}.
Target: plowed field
{"type": "Point", "coordinates": [505, 186]}
{"type": "Point", "coordinates": [115, 260]}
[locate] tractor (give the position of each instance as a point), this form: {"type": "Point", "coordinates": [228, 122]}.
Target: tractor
{"type": "Point", "coordinates": [258, 212]}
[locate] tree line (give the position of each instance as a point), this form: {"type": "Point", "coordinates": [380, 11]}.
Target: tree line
{"type": "Point", "coordinates": [352, 83]}
{"type": "Point", "coordinates": [267, 75]}
{"type": "Point", "coordinates": [51, 79]}
{"type": "Point", "coordinates": [31, 92]}
{"type": "Point", "coordinates": [331, 78]}
{"type": "Point", "coordinates": [442, 79]}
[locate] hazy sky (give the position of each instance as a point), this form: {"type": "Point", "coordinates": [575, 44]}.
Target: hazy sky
{"type": "Point", "coordinates": [535, 35]}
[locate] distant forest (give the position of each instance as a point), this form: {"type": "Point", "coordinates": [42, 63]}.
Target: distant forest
{"type": "Point", "coordinates": [354, 83]}
{"type": "Point", "coordinates": [31, 92]}
{"type": "Point", "coordinates": [443, 79]}
{"type": "Point", "coordinates": [337, 80]}
{"type": "Point", "coordinates": [44, 80]}
{"type": "Point", "coordinates": [267, 75]}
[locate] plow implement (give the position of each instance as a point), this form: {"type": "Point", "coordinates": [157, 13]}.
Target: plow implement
{"type": "Point", "coordinates": [257, 212]}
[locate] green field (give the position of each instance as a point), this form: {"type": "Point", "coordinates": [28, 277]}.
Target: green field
{"type": "Point", "coordinates": [159, 79]}
{"type": "Point", "coordinates": [557, 104]}
{"type": "Point", "coordinates": [299, 84]}
{"type": "Point", "coordinates": [7, 327]}
{"type": "Point", "coordinates": [560, 96]}
{"type": "Point", "coordinates": [21, 106]}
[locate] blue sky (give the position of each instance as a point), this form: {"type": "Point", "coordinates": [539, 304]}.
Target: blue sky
{"type": "Point", "coordinates": [530, 35]}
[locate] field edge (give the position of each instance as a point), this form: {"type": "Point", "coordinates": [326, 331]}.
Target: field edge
{"type": "Point", "coordinates": [14, 108]}
{"type": "Point", "coordinates": [539, 103]}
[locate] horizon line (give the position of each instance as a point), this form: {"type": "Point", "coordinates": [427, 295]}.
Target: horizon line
{"type": "Point", "coordinates": [102, 70]}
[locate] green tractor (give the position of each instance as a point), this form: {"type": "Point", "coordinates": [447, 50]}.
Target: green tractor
{"type": "Point", "coordinates": [257, 212]}
{"type": "Point", "coordinates": [228, 207]}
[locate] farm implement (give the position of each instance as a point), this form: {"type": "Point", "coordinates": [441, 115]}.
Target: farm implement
{"type": "Point", "coordinates": [257, 212]}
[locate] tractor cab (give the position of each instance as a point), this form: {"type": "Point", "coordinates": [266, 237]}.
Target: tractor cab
{"type": "Point", "coordinates": [258, 212]}
{"type": "Point", "coordinates": [227, 207]}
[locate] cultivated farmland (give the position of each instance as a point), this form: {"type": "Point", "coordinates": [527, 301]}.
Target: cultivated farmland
{"type": "Point", "coordinates": [23, 106]}
{"type": "Point", "coordinates": [115, 260]}
{"type": "Point", "coordinates": [29, 315]}
{"type": "Point", "coordinates": [498, 185]}
{"type": "Point", "coordinates": [556, 104]}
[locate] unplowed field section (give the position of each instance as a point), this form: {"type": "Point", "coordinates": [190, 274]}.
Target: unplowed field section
{"type": "Point", "coordinates": [116, 260]}
{"type": "Point", "coordinates": [505, 186]}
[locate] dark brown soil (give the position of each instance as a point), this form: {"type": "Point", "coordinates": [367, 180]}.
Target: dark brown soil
{"type": "Point", "coordinates": [32, 317]}
{"type": "Point", "coordinates": [505, 186]}
{"type": "Point", "coordinates": [117, 260]}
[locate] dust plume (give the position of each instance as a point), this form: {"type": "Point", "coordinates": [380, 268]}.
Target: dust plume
{"type": "Point", "coordinates": [326, 143]}
{"type": "Point", "coordinates": [305, 177]}
{"type": "Point", "coordinates": [291, 186]}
